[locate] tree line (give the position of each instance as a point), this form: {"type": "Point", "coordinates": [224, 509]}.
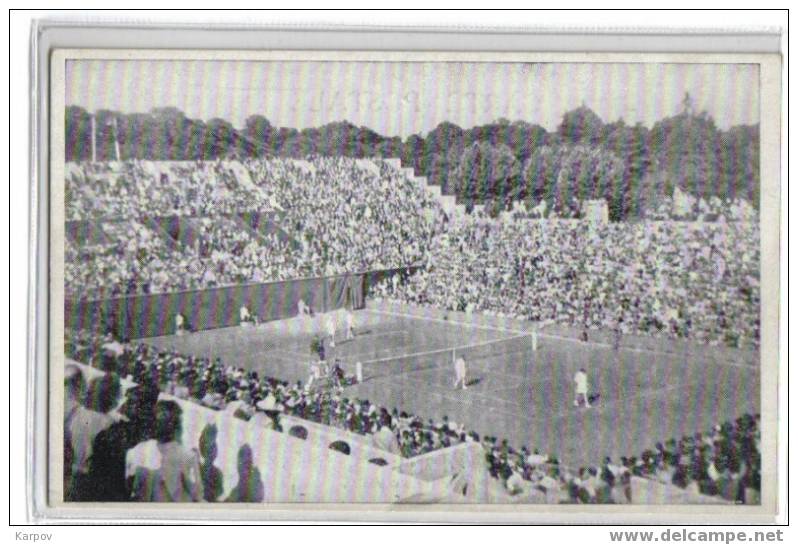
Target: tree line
{"type": "Point", "coordinates": [632, 167]}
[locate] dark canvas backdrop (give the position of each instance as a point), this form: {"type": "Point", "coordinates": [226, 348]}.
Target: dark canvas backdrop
{"type": "Point", "coordinates": [152, 315]}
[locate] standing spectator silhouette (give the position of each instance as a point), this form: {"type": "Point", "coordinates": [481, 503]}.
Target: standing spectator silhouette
{"type": "Point", "coordinates": [74, 394]}
{"type": "Point", "coordinates": [107, 463]}
{"type": "Point", "coordinates": [85, 424]}
{"type": "Point", "coordinates": [212, 478]}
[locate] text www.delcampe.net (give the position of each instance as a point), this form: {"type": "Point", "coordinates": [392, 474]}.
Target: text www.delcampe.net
{"type": "Point", "coordinates": [697, 536]}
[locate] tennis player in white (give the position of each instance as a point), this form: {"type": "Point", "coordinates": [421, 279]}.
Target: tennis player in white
{"type": "Point", "coordinates": [180, 324]}
{"type": "Point", "coordinates": [243, 315]}
{"type": "Point", "coordinates": [459, 372]}
{"type": "Point", "coordinates": [349, 325]}
{"type": "Point", "coordinates": [315, 373]}
{"type": "Point", "coordinates": [580, 380]}
{"type": "Point", "coordinates": [330, 326]}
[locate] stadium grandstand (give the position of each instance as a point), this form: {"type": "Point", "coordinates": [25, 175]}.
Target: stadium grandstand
{"type": "Point", "coordinates": [226, 316]}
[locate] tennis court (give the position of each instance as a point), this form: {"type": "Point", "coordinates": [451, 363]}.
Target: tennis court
{"type": "Point", "coordinates": [644, 395]}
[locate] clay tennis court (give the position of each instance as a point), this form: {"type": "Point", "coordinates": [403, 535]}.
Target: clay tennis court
{"type": "Point", "coordinates": [648, 391]}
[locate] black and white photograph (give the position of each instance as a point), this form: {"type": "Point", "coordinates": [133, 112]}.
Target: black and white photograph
{"type": "Point", "coordinates": [539, 281]}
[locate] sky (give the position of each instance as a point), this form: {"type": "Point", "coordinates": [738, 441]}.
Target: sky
{"type": "Point", "coordinates": [403, 98]}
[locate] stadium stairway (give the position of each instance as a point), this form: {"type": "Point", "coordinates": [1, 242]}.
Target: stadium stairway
{"type": "Point", "coordinates": [88, 233]}
{"type": "Point", "coordinates": [179, 231]}
{"type": "Point", "coordinates": [157, 226]}
{"type": "Point", "coordinates": [266, 224]}
{"type": "Point", "coordinates": [447, 202]}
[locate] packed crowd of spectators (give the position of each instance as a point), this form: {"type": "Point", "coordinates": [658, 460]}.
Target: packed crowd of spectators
{"type": "Point", "coordinates": [675, 279]}
{"type": "Point", "coordinates": [139, 261]}
{"type": "Point", "coordinates": [233, 255]}
{"type": "Point", "coordinates": [342, 216]}
{"type": "Point", "coordinates": [135, 189]}
{"type": "Point", "coordinates": [350, 216]}
{"type": "Point", "coordinates": [130, 258]}
{"type": "Point", "coordinates": [725, 462]}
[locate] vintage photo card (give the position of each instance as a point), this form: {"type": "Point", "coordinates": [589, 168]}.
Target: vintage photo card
{"type": "Point", "coordinates": [441, 285]}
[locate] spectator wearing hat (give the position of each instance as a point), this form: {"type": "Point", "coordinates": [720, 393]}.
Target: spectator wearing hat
{"type": "Point", "coordinates": [162, 469]}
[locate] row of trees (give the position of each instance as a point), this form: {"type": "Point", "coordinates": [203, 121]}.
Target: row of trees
{"type": "Point", "coordinates": [632, 167]}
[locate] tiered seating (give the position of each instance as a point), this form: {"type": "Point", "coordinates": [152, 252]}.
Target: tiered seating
{"type": "Point", "coordinates": [674, 279]}
{"type": "Point", "coordinates": [230, 223]}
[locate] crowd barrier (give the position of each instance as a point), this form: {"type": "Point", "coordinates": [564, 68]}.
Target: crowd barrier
{"type": "Point", "coordinates": [153, 315]}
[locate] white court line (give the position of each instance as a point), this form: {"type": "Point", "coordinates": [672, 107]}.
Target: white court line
{"type": "Point", "coordinates": [553, 336]}
{"type": "Point", "coordinates": [433, 386]}
{"type": "Point", "coordinates": [605, 407]}
{"type": "Point", "coordinates": [384, 333]}
{"type": "Point", "coordinates": [453, 322]}
{"type": "Point", "coordinates": [568, 412]}
{"type": "Point", "coordinates": [644, 351]}
{"type": "Point", "coordinates": [281, 358]}
{"type": "Point", "coordinates": [602, 408]}
{"type": "Point", "coordinates": [482, 393]}
{"type": "Point", "coordinates": [446, 349]}
{"type": "Point", "coordinates": [482, 368]}
{"type": "Point", "coordinates": [446, 393]}
{"type": "Point", "coordinates": [354, 354]}
{"type": "Point", "coordinates": [291, 353]}
{"type": "Point", "coordinates": [529, 384]}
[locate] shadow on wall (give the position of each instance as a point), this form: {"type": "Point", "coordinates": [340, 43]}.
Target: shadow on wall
{"type": "Point", "coordinates": [250, 486]}
{"type": "Point", "coordinates": [299, 432]}
{"type": "Point", "coordinates": [341, 446]}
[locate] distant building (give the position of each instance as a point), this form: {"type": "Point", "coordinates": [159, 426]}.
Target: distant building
{"type": "Point", "coordinates": [683, 203]}
{"type": "Point", "coordinates": [595, 211]}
